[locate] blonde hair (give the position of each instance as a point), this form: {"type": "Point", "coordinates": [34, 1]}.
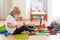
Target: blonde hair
{"type": "Point", "coordinates": [16, 9]}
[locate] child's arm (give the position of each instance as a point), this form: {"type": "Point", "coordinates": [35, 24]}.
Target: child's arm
{"type": "Point", "coordinates": [18, 26]}
{"type": "Point", "coordinates": [13, 26]}
{"type": "Point", "coordinates": [10, 25]}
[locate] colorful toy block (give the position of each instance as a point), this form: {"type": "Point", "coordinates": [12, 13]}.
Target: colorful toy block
{"type": "Point", "coordinates": [32, 24]}
{"type": "Point", "coordinates": [57, 30]}
{"type": "Point", "coordinates": [6, 33]}
{"type": "Point", "coordinates": [41, 33]}
{"type": "Point", "coordinates": [42, 25]}
{"type": "Point", "coordinates": [24, 23]}
{"type": "Point", "coordinates": [47, 31]}
{"type": "Point", "coordinates": [41, 19]}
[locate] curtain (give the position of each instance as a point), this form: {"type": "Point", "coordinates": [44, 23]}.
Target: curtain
{"type": "Point", "coordinates": [1, 9]}
{"type": "Point", "coordinates": [5, 6]}
{"type": "Point", "coordinates": [28, 5]}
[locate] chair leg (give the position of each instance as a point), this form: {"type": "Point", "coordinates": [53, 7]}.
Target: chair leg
{"type": "Point", "coordinates": [45, 17]}
{"type": "Point", "coordinates": [31, 17]}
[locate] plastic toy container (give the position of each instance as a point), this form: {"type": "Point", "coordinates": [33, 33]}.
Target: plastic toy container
{"type": "Point", "coordinates": [2, 28]}
{"type": "Point", "coordinates": [22, 36]}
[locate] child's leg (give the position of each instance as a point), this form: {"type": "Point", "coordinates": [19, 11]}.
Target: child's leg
{"type": "Point", "coordinates": [18, 31]}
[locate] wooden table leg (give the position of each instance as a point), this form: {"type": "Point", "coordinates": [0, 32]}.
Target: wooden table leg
{"type": "Point", "coordinates": [45, 17]}
{"type": "Point", "coordinates": [31, 17]}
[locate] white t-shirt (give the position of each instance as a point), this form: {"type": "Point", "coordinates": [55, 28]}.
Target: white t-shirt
{"type": "Point", "coordinates": [10, 19]}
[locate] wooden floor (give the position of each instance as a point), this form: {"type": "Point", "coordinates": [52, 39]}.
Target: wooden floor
{"type": "Point", "coordinates": [33, 37]}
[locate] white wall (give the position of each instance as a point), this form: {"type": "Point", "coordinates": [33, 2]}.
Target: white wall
{"type": "Point", "coordinates": [28, 5]}
{"type": "Point", "coordinates": [5, 6]}
{"type": "Point", "coordinates": [22, 6]}
{"type": "Point", "coordinates": [43, 2]}
{"type": "Point", "coordinates": [1, 9]}
{"type": "Point", "coordinates": [53, 10]}
{"type": "Point", "coordinates": [25, 6]}
{"type": "Point", "coordinates": [56, 8]}
{"type": "Point", "coordinates": [49, 9]}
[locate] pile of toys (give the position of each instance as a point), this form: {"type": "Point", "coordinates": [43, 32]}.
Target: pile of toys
{"type": "Point", "coordinates": [42, 28]}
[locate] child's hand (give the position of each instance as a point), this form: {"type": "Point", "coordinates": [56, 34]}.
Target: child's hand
{"type": "Point", "coordinates": [18, 26]}
{"type": "Point", "coordinates": [36, 29]}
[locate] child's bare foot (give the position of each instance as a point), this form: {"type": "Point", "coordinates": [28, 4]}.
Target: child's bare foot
{"type": "Point", "coordinates": [25, 32]}
{"type": "Point", "coordinates": [36, 29]}
{"type": "Point", "coordinates": [33, 33]}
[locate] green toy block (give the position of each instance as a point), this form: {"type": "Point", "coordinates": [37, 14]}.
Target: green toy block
{"type": "Point", "coordinates": [22, 36]}
{"type": "Point", "coordinates": [42, 33]}
{"type": "Point", "coordinates": [2, 28]}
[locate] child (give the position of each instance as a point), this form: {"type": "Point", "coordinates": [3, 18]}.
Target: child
{"type": "Point", "coordinates": [11, 25]}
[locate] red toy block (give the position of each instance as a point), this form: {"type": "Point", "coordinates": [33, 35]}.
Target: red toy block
{"type": "Point", "coordinates": [24, 24]}
{"type": "Point", "coordinates": [42, 25]}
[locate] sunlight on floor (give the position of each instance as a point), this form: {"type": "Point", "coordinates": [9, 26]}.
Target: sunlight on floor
{"type": "Point", "coordinates": [2, 37]}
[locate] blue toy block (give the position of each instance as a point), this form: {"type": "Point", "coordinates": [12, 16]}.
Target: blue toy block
{"type": "Point", "coordinates": [41, 19]}
{"type": "Point", "coordinates": [57, 30]}
{"type": "Point", "coordinates": [6, 33]}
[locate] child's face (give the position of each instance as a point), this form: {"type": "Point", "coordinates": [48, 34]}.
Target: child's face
{"type": "Point", "coordinates": [16, 13]}
{"type": "Point", "coordinates": [16, 16]}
